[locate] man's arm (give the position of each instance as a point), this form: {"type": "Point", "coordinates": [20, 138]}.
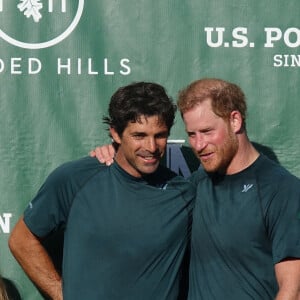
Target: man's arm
{"type": "Point", "coordinates": [288, 278]}
{"type": "Point", "coordinates": [34, 259]}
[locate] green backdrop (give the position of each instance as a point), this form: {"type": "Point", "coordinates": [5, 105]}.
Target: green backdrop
{"type": "Point", "coordinates": [61, 61]}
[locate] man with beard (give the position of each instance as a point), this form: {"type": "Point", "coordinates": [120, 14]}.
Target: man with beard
{"type": "Point", "coordinates": [246, 221]}
{"type": "Point", "coordinates": [127, 226]}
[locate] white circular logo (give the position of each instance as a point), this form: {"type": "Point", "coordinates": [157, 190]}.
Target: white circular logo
{"type": "Point", "coordinates": [30, 11]}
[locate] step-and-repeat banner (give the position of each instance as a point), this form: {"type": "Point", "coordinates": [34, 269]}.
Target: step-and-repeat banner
{"type": "Point", "coordinates": [60, 61]}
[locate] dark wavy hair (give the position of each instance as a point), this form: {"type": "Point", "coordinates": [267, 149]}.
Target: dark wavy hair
{"type": "Point", "coordinates": [138, 99]}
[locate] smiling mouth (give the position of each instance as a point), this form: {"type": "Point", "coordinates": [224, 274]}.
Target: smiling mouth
{"type": "Point", "coordinates": [150, 158]}
{"type": "Point", "coordinates": [206, 156]}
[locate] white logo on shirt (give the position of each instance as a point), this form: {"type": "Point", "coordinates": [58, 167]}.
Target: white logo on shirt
{"type": "Point", "coordinates": [247, 187]}
{"type": "Point", "coordinates": [164, 187]}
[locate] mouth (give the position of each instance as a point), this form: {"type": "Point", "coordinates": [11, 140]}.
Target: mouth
{"type": "Point", "coordinates": [206, 156]}
{"type": "Point", "coordinates": [150, 158]}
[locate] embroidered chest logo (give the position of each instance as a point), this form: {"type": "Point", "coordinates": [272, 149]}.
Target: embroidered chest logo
{"type": "Point", "coordinates": [163, 186]}
{"type": "Point", "coordinates": [247, 187]}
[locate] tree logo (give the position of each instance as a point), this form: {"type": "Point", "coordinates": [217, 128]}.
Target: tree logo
{"type": "Point", "coordinates": [31, 8]}
{"type": "Point", "coordinates": [38, 24]}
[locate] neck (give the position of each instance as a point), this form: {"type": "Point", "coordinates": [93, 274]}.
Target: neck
{"type": "Point", "coordinates": [245, 156]}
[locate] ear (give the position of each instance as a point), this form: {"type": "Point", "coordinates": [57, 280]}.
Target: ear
{"type": "Point", "coordinates": [115, 135]}
{"type": "Point", "coordinates": [236, 121]}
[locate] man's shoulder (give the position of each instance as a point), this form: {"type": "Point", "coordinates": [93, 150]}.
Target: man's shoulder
{"type": "Point", "coordinates": [80, 169]}
{"type": "Point", "coordinates": [198, 175]}
{"type": "Point", "coordinates": [273, 171]}
{"type": "Point", "coordinates": [273, 179]}
{"type": "Point", "coordinates": [83, 163]}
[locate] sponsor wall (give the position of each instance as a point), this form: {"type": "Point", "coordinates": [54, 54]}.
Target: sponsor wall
{"type": "Point", "coordinates": [61, 60]}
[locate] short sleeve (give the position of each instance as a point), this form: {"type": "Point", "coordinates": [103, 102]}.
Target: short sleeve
{"type": "Point", "coordinates": [283, 219]}
{"type": "Point", "coordinates": [50, 208]}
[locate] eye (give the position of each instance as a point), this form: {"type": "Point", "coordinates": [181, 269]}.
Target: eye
{"type": "Point", "coordinates": [138, 136]}
{"type": "Point", "coordinates": [207, 131]}
{"type": "Point", "coordinates": [191, 134]}
{"type": "Point", "coordinates": [162, 135]}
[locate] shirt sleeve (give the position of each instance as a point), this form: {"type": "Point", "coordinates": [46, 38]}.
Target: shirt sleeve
{"type": "Point", "coordinates": [50, 208]}
{"type": "Point", "coordinates": [283, 218]}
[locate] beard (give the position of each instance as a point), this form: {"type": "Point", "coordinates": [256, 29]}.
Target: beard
{"type": "Point", "coordinates": [222, 155]}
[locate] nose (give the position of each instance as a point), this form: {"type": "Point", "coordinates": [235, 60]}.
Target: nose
{"type": "Point", "coordinates": [199, 143]}
{"type": "Point", "coordinates": [151, 145]}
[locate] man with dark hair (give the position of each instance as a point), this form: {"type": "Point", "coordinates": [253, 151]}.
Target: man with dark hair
{"type": "Point", "coordinates": [245, 240]}
{"type": "Point", "coordinates": [127, 225]}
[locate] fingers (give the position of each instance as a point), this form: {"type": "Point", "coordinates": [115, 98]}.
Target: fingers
{"type": "Point", "coordinates": [111, 152]}
{"type": "Point", "coordinates": [92, 153]}
{"type": "Point", "coordinates": [105, 154]}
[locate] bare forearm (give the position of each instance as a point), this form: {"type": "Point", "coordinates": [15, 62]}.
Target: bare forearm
{"type": "Point", "coordinates": [288, 277]}
{"type": "Point", "coordinates": [35, 261]}
{"type": "Point", "coordinates": [285, 294]}
{"type": "Point", "coordinates": [41, 271]}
